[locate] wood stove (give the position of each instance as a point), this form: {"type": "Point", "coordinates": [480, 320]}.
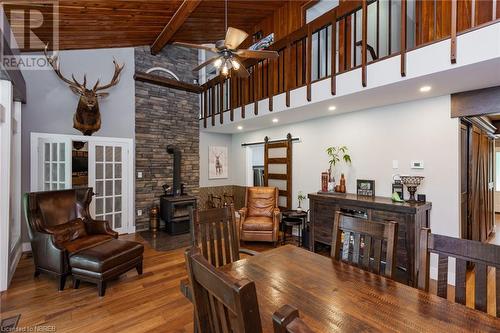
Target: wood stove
{"type": "Point", "coordinates": [174, 211]}
{"type": "Point", "coordinates": [175, 205]}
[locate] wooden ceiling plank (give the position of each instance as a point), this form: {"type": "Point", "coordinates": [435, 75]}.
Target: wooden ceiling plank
{"type": "Point", "coordinates": [176, 21]}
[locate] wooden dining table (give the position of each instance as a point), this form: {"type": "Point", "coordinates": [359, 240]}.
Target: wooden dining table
{"type": "Point", "coordinates": [333, 296]}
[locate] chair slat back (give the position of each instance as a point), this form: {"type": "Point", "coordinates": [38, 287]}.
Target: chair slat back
{"type": "Point", "coordinates": [482, 255]}
{"type": "Point", "coordinates": [367, 239]}
{"type": "Point", "coordinates": [214, 232]}
{"type": "Point", "coordinates": [221, 303]}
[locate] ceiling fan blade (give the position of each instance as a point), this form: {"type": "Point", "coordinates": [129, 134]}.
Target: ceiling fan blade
{"type": "Point", "coordinates": [196, 46]}
{"type": "Point", "coordinates": [261, 54]}
{"type": "Point", "coordinates": [206, 63]}
{"type": "Point", "coordinates": [234, 37]}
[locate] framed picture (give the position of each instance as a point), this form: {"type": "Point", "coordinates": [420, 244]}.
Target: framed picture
{"type": "Point", "coordinates": [365, 187]}
{"type": "Point", "coordinates": [217, 162]}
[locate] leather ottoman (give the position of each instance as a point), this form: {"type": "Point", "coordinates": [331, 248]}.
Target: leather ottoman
{"type": "Point", "coordinates": [105, 261]}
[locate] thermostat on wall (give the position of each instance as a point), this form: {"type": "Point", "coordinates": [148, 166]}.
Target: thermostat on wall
{"type": "Point", "coordinates": [417, 164]}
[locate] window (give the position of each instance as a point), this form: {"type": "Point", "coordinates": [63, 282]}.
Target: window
{"type": "Point", "coordinates": [319, 8]}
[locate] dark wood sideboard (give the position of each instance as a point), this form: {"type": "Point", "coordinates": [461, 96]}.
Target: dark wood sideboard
{"type": "Point", "coordinates": [410, 217]}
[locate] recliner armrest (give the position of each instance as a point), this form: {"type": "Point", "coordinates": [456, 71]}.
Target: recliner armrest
{"type": "Point", "coordinates": [99, 227]}
{"type": "Point", "coordinates": [47, 254]}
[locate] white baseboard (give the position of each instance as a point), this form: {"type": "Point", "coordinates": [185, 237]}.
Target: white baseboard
{"type": "Point", "coordinates": [14, 263]}
{"type": "Point", "coordinates": [26, 247]}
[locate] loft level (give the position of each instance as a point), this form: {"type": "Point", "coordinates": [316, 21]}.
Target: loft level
{"type": "Point", "coordinates": [345, 39]}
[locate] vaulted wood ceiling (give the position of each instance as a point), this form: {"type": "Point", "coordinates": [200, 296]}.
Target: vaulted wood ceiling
{"type": "Point", "coordinates": [85, 24]}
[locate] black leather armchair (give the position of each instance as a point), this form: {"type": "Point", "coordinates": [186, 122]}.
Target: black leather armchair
{"type": "Point", "coordinates": [59, 224]}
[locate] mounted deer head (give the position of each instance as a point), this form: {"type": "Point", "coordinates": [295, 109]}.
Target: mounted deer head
{"type": "Point", "coordinates": [87, 118]}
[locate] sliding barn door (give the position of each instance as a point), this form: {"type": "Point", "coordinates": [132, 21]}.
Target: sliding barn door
{"type": "Point", "coordinates": [106, 175]}
{"type": "Point", "coordinates": [278, 169]}
{"type": "Point", "coordinates": [54, 164]}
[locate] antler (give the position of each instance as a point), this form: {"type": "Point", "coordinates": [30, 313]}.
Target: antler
{"type": "Point", "coordinates": [54, 63]}
{"type": "Point", "coordinates": [114, 81]}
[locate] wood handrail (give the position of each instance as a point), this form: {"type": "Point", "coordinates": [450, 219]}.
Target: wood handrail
{"type": "Point", "coordinates": [294, 67]}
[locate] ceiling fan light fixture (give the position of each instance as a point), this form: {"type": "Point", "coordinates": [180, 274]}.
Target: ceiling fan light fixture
{"type": "Point", "coordinates": [225, 69]}
{"type": "Point", "coordinates": [218, 63]}
{"type": "Point", "coordinates": [235, 63]}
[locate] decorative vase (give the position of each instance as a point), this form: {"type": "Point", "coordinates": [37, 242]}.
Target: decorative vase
{"type": "Point", "coordinates": [342, 184]}
{"type": "Point", "coordinates": [331, 181]}
{"type": "Point", "coordinates": [411, 183]}
{"type": "Point", "coordinates": [299, 209]}
{"type": "Point", "coordinates": [153, 219]}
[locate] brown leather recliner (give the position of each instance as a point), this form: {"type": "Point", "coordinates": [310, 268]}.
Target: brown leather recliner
{"type": "Point", "coordinates": [59, 224]}
{"type": "Point", "coordinates": [259, 220]}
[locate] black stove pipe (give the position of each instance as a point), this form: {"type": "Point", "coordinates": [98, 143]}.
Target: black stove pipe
{"type": "Point", "coordinates": [176, 189]}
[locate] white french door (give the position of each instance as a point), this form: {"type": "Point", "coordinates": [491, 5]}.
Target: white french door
{"type": "Point", "coordinates": [54, 156]}
{"type": "Point", "coordinates": [106, 176]}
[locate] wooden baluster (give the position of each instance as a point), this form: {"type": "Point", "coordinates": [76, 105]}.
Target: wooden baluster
{"type": "Point", "coordinates": [356, 247]}
{"type": "Point", "coordinates": [221, 101]}
{"type": "Point", "coordinates": [287, 72]}
{"type": "Point", "coordinates": [333, 56]}
{"type": "Point", "coordinates": [211, 240]}
{"type": "Point", "coordinates": [255, 87]}
{"type": "Point", "coordinates": [453, 39]}
{"type": "Point", "coordinates": [213, 96]}
{"type": "Point", "coordinates": [205, 111]}
{"type": "Point", "coordinates": [270, 82]}
{"type": "Point", "coordinates": [363, 47]}
{"type": "Point", "coordinates": [309, 62]}
{"type": "Point", "coordinates": [242, 100]}
{"type": "Point", "coordinates": [230, 98]}
{"type": "Point", "coordinates": [403, 38]}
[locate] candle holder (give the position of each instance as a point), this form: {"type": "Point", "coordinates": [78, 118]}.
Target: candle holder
{"type": "Point", "coordinates": [412, 182]}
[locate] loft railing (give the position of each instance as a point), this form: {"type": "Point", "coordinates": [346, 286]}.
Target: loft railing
{"type": "Point", "coordinates": [350, 36]}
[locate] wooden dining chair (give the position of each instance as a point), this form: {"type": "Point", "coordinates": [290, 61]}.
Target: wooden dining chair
{"type": "Point", "coordinates": [214, 231]}
{"type": "Point", "coordinates": [368, 238]}
{"type": "Point", "coordinates": [287, 320]}
{"type": "Point", "coordinates": [221, 303]}
{"type": "Point", "coordinates": [225, 304]}
{"type": "Point", "coordinates": [481, 255]}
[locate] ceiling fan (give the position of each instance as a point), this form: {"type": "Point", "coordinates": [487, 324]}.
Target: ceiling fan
{"type": "Point", "coordinates": [228, 55]}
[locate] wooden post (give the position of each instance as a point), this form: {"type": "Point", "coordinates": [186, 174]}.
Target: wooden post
{"type": "Point", "coordinates": [333, 57]}
{"type": "Point", "coordinates": [403, 38]}
{"type": "Point", "coordinates": [288, 70]}
{"type": "Point", "coordinates": [364, 33]}
{"type": "Point", "coordinates": [205, 113]}
{"type": "Point", "coordinates": [270, 82]}
{"type": "Point", "coordinates": [255, 89]}
{"type": "Point", "coordinates": [212, 96]}
{"type": "Point", "coordinates": [309, 62]}
{"type": "Point", "coordinates": [453, 51]}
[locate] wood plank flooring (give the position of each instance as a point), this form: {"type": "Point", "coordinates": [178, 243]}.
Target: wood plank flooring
{"type": "Point", "coordinates": [148, 303]}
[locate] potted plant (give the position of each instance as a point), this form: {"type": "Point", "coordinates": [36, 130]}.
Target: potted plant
{"type": "Point", "coordinates": [336, 155]}
{"type": "Point", "coordinates": [300, 197]}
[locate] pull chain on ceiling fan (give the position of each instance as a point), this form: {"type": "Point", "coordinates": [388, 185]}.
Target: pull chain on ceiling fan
{"type": "Point", "coordinates": [228, 55]}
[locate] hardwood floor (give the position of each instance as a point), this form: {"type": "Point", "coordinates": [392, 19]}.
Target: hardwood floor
{"type": "Point", "coordinates": [149, 303]}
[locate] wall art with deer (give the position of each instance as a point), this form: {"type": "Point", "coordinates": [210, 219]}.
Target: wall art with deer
{"type": "Point", "coordinates": [87, 118]}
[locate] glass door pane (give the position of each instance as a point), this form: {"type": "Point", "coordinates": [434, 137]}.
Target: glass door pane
{"type": "Point", "coordinates": [106, 176]}
{"type": "Point", "coordinates": [54, 164]}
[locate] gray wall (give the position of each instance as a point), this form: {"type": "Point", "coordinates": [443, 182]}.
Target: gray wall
{"type": "Point", "coordinates": [51, 104]}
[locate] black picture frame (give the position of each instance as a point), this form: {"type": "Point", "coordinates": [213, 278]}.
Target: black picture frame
{"type": "Point", "coordinates": [365, 187]}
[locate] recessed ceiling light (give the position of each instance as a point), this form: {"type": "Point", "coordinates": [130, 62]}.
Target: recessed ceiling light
{"type": "Point", "coordinates": [275, 120]}
{"type": "Point", "coordinates": [240, 127]}
{"type": "Point", "coordinates": [332, 108]}
{"type": "Point", "coordinates": [425, 88]}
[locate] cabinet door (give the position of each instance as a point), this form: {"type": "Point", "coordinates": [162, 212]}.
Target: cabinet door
{"type": "Point", "coordinates": [107, 168]}
{"type": "Point", "coordinates": [54, 164]}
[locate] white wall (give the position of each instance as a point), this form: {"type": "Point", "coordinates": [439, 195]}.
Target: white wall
{"type": "Point", "coordinates": [420, 130]}
{"type": "Point", "coordinates": [214, 139]}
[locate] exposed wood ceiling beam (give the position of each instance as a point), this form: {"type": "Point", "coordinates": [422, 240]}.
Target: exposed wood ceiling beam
{"type": "Point", "coordinates": [166, 82]}
{"type": "Point", "coordinates": [176, 21]}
